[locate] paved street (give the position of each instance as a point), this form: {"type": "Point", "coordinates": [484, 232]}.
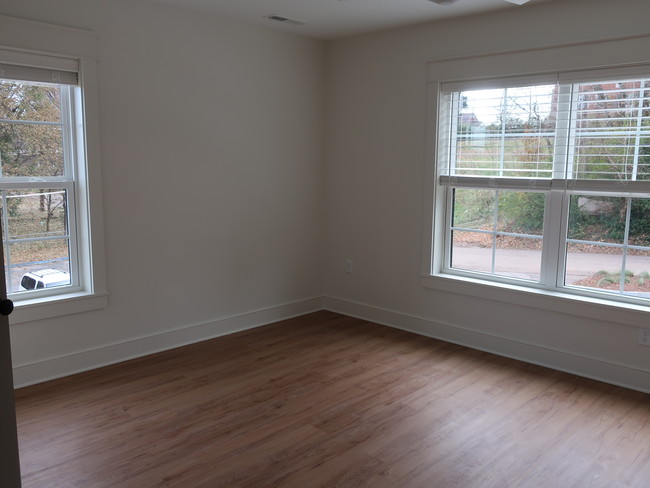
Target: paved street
{"type": "Point", "coordinates": [525, 263]}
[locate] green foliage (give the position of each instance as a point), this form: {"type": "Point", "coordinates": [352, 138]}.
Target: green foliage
{"type": "Point", "coordinates": [614, 278]}
{"type": "Point", "coordinates": [30, 149]}
{"type": "Point", "coordinates": [610, 224]}
{"type": "Point", "coordinates": [473, 208]}
{"type": "Point", "coordinates": [522, 212]}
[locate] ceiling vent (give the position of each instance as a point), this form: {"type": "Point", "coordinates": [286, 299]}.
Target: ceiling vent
{"type": "Point", "coordinates": [285, 20]}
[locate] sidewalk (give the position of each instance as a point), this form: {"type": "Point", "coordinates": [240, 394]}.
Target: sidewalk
{"type": "Point", "coordinates": [526, 263]}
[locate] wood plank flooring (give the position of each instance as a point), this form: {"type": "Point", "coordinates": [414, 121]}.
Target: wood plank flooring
{"type": "Point", "coordinates": [331, 401]}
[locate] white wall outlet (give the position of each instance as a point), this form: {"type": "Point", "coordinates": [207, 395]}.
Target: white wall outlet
{"type": "Point", "coordinates": [348, 266]}
{"type": "Point", "coordinates": [644, 337]}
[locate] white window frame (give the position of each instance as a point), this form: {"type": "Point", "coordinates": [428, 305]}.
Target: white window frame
{"type": "Point", "coordinates": [557, 188]}
{"type": "Point", "coordinates": [24, 42]}
{"type": "Point", "coordinates": [70, 97]}
{"type": "Point", "coordinates": [579, 59]}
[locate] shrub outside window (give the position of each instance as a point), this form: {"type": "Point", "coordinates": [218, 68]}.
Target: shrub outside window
{"type": "Point", "coordinates": [546, 182]}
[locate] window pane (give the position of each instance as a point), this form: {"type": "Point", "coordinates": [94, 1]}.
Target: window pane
{"type": "Point", "coordinates": [519, 259]}
{"type": "Point", "coordinates": [521, 212]}
{"type": "Point", "coordinates": [36, 239]}
{"type": "Point", "coordinates": [597, 218]}
{"type": "Point", "coordinates": [474, 209]}
{"type": "Point", "coordinates": [639, 233]}
{"type": "Point", "coordinates": [506, 132]}
{"type": "Point", "coordinates": [609, 245]}
{"type": "Point", "coordinates": [35, 259]}
{"type": "Point", "coordinates": [31, 150]}
{"type": "Point", "coordinates": [587, 265]}
{"type": "Point", "coordinates": [36, 213]}
{"type": "Point", "coordinates": [612, 131]}
{"type": "Point", "coordinates": [498, 232]}
{"type": "Point", "coordinates": [30, 101]}
{"type": "Point", "coordinates": [472, 251]}
{"type": "Point", "coordinates": [638, 258]}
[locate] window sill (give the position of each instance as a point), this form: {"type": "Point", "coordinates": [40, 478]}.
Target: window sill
{"type": "Point", "coordinates": [45, 308]}
{"type": "Point", "coordinates": [581, 306]}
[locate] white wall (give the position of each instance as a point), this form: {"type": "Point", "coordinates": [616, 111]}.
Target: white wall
{"type": "Point", "coordinates": [212, 142]}
{"type": "Point", "coordinates": [214, 206]}
{"type": "Point", "coordinates": [375, 193]}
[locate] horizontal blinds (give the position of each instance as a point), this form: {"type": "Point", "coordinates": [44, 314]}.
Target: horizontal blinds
{"type": "Point", "coordinates": [504, 132]}
{"type": "Point", "coordinates": [17, 65]}
{"type": "Point", "coordinates": [611, 130]}
{"type": "Point", "coordinates": [583, 131]}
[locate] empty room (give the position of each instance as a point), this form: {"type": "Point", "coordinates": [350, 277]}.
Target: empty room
{"type": "Point", "coordinates": [325, 243]}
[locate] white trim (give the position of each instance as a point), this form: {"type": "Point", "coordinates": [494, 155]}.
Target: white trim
{"type": "Point", "coordinates": [588, 367]}
{"type": "Point", "coordinates": [625, 314]}
{"type": "Point", "coordinates": [623, 56]}
{"type": "Point", "coordinates": [587, 55]}
{"type": "Point", "coordinates": [26, 374]}
{"type": "Point", "coordinates": [434, 212]}
{"type": "Point", "coordinates": [91, 255]}
{"type": "Point", "coordinates": [57, 306]}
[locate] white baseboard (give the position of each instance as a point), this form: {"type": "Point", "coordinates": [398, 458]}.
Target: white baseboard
{"type": "Point", "coordinates": [593, 368]}
{"type": "Point", "coordinates": [77, 362]}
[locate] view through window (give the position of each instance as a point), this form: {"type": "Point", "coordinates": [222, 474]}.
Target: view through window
{"type": "Point", "coordinates": [548, 184]}
{"type": "Point", "coordinates": [37, 185]}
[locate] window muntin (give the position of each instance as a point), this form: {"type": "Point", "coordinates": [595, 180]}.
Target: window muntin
{"type": "Point", "coordinates": [482, 221]}
{"type": "Point", "coordinates": [621, 243]}
{"type": "Point", "coordinates": [37, 184]}
{"type": "Point", "coordinates": [512, 161]}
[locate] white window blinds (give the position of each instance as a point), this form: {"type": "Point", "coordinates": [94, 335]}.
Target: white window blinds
{"type": "Point", "coordinates": [586, 134]}
{"type": "Point", "coordinates": [611, 130]}
{"type": "Point", "coordinates": [18, 65]}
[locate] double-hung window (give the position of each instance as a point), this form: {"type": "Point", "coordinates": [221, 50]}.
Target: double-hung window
{"type": "Point", "coordinates": [38, 179]}
{"type": "Point", "coordinates": [545, 182]}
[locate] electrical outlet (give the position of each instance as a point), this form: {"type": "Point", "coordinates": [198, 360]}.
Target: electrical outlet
{"type": "Point", "coordinates": [644, 337]}
{"type": "Point", "coordinates": [348, 266]}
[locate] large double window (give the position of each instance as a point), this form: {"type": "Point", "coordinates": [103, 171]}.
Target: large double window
{"type": "Point", "coordinates": [545, 181]}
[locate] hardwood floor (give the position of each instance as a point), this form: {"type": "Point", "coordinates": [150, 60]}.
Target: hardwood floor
{"type": "Point", "coordinates": [331, 401]}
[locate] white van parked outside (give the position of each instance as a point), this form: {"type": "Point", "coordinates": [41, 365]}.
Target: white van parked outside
{"type": "Point", "coordinates": [44, 278]}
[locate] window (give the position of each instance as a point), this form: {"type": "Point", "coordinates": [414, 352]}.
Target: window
{"type": "Point", "coordinates": [545, 182]}
{"type": "Point", "coordinates": [37, 183]}
{"type": "Point", "coordinates": [50, 174]}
